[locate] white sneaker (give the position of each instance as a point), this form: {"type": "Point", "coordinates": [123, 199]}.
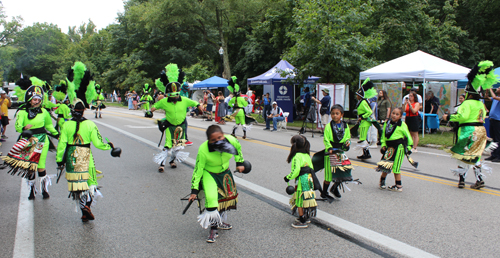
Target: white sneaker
{"type": "Point", "coordinates": [414, 150]}
{"type": "Point", "coordinates": [363, 144]}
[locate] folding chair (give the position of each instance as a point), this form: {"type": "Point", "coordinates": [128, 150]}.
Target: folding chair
{"type": "Point", "coordinates": [282, 124]}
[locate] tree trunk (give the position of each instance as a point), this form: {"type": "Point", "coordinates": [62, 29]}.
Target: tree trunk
{"type": "Point", "coordinates": [226, 73]}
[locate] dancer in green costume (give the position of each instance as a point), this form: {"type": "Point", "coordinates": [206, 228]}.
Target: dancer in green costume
{"type": "Point", "coordinates": [337, 140]}
{"type": "Point", "coordinates": [29, 154]}
{"type": "Point", "coordinates": [147, 101]}
{"type": "Point", "coordinates": [396, 143]}
{"type": "Point", "coordinates": [238, 104]}
{"type": "Point", "coordinates": [174, 123]}
{"type": "Point", "coordinates": [97, 102]}
{"type": "Point", "coordinates": [304, 198]}
{"type": "Point", "coordinates": [73, 150]}
{"type": "Point", "coordinates": [365, 116]}
{"type": "Point", "coordinates": [212, 176]}
{"type": "Point", "coordinates": [63, 111]}
{"type": "Point", "coordinates": [472, 137]}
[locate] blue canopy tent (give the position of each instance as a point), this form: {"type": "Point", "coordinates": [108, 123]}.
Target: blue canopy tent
{"type": "Point", "coordinates": [462, 83]}
{"type": "Point", "coordinates": [281, 91]}
{"type": "Point", "coordinates": [212, 82]}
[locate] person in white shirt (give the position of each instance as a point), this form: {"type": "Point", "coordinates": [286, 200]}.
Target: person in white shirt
{"type": "Point", "coordinates": [276, 115]}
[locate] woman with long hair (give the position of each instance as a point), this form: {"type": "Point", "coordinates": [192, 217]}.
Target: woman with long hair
{"type": "Point", "coordinates": [411, 107]}
{"type": "Point", "coordinates": [384, 106]}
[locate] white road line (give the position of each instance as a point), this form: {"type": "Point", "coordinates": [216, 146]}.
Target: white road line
{"type": "Point", "coordinates": [370, 235]}
{"type": "Point", "coordinates": [141, 126]}
{"type": "Point", "coordinates": [24, 244]}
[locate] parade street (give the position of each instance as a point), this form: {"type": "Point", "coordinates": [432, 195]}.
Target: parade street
{"type": "Point", "coordinates": [140, 214]}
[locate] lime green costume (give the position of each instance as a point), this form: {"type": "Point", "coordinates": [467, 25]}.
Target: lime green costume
{"type": "Point", "coordinates": [212, 175]}
{"type": "Point", "coordinates": [147, 101]}
{"type": "Point", "coordinates": [393, 138]}
{"type": "Point", "coordinates": [365, 112]}
{"type": "Point", "coordinates": [80, 168]}
{"type": "Point", "coordinates": [175, 116]}
{"type": "Point", "coordinates": [304, 196]}
{"type": "Point", "coordinates": [337, 165]}
{"type": "Point", "coordinates": [238, 103]}
{"type": "Point", "coordinates": [63, 113]}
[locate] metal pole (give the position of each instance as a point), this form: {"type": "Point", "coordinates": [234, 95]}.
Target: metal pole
{"type": "Point", "coordinates": [423, 109]}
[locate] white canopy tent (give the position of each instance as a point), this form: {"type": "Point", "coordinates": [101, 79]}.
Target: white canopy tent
{"type": "Point", "coordinates": [416, 66]}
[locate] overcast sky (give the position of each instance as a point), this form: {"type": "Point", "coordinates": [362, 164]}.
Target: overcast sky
{"type": "Point", "coordinates": [64, 13]}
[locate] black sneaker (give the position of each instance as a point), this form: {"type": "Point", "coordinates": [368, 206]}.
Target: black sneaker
{"type": "Point", "coordinates": [213, 235]}
{"type": "Point", "coordinates": [45, 195]}
{"type": "Point", "coordinates": [461, 184]}
{"type": "Point", "coordinates": [32, 193]}
{"type": "Point", "coordinates": [298, 224]}
{"type": "Point", "coordinates": [266, 129]}
{"type": "Point", "coordinates": [308, 221]}
{"type": "Point", "coordinates": [382, 185]}
{"type": "Point", "coordinates": [490, 158]}
{"type": "Point", "coordinates": [335, 191]}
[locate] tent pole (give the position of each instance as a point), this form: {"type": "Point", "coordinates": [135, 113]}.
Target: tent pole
{"type": "Point", "coordinates": [423, 109]}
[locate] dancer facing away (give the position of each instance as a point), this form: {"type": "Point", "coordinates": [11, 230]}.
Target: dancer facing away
{"type": "Point", "coordinates": [304, 198]}
{"type": "Point", "coordinates": [396, 143]}
{"type": "Point", "coordinates": [175, 106]}
{"type": "Point", "coordinates": [147, 100]}
{"type": "Point", "coordinates": [472, 138]}
{"type": "Point", "coordinates": [29, 154]}
{"type": "Point", "coordinates": [366, 117]}
{"type": "Point", "coordinates": [337, 140]}
{"type": "Point", "coordinates": [237, 103]}
{"type": "Point", "coordinates": [74, 153]}
{"type": "Point", "coordinates": [212, 175]}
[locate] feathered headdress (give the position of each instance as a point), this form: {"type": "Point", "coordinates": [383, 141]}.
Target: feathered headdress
{"type": "Point", "coordinates": [147, 88]}
{"type": "Point", "coordinates": [60, 91]}
{"type": "Point", "coordinates": [481, 77]}
{"type": "Point", "coordinates": [80, 84]}
{"type": "Point", "coordinates": [98, 89]}
{"type": "Point", "coordinates": [23, 84]}
{"type": "Point", "coordinates": [232, 86]}
{"type": "Point", "coordinates": [170, 80]}
{"type": "Point", "coordinates": [367, 89]}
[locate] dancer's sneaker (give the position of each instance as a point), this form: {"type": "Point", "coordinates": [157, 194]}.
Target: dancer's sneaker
{"type": "Point", "coordinates": [395, 188]}
{"type": "Point", "coordinates": [362, 144]}
{"type": "Point", "coordinates": [307, 220]}
{"type": "Point", "coordinates": [225, 226]}
{"type": "Point", "coordinates": [298, 224]}
{"type": "Point", "coordinates": [189, 143]}
{"type": "Point", "coordinates": [478, 185]}
{"type": "Point", "coordinates": [382, 185]}
{"type": "Point", "coordinates": [213, 235]}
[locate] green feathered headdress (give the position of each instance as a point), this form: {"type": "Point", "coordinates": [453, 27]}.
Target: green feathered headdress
{"type": "Point", "coordinates": [22, 85]}
{"type": "Point", "coordinates": [481, 77]}
{"type": "Point", "coordinates": [367, 89]}
{"type": "Point", "coordinates": [80, 84]}
{"type": "Point", "coordinates": [60, 91]}
{"type": "Point", "coordinates": [97, 89]}
{"type": "Point", "coordinates": [147, 88]}
{"type": "Point", "coordinates": [233, 86]}
{"type": "Point", "coordinates": [170, 80]}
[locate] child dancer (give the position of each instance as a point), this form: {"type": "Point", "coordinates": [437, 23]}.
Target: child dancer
{"type": "Point", "coordinates": [366, 117]}
{"type": "Point", "coordinates": [304, 198]}
{"type": "Point", "coordinates": [212, 175]}
{"type": "Point", "coordinates": [394, 148]}
{"type": "Point", "coordinates": [337, 140]}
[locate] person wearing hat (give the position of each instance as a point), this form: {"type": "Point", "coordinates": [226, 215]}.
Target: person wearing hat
{"type": "Point", "coordinates": [97, 101]}
{"type": "Point", "coordinates": [365, 116]}
{"type": "Point", "coordinates": [213, 176]}
{"type": "Point", "coordinates": [176, 107]}
{"type": "Point", "coordinates": [5, 104]}
{"type": "Point", "coordinates": [29, 154]}
{"type": "Point", "coordinates": [147, 100]}
{"type": "Point", "coordinates": [472, 137]}
{"type": "Point", "coordinates": [73, 150]}
{"type": "Point", "coordinates": [275, 115]}
{"type": "Point", "coordinates": [238, 104]}
{"type": "Point", "coordinates": [324, 111]}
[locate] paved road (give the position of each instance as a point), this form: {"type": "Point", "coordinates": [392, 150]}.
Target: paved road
{"type": "Point", "coordinates": [140, 214]}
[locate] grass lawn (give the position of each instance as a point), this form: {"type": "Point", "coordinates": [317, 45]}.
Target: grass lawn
{"type": "Point", "coordinates": [445, 139]}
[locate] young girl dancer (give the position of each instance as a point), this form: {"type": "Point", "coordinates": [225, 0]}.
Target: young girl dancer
{"type": "Point", "coordinates": [212, 175]}
{"type": "Point", "coordinates": [304, 198]}
{"type": "Point", "coordinates": [394, 148]}
{"type": "Point", "coordinates": [337, 140]}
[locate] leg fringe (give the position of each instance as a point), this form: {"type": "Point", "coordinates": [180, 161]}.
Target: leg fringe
{"type": "Point", "coordinates": [209, 218]}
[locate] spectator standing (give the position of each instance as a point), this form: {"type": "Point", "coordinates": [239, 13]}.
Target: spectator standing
{"type": "Point", "coordinates": [5, 104]}
{"type": "Point", "coordinates": [414, 90]}
{"type": "Point", "coordinates": [220, 110]}
{"type": "Point", "coordinates": [134, 99]}
{"type": "Point", "coordinates": [267, 105]}
{"type": "Point", "coordinates": [324, 111]}
{"type": "Point", "coordinates": [494, 123]}
{"type": "Point", "coordinates": [384, 106]}
{"type": "Point", "coordinates": [431, 103]}
{"type": "Point", "coordinates": [130, 100]}
{"type": "Point", "coordinates": [412, 120]}
{"type": "Point", "coordinates": [209, 97]}
{"type": "Point", "coordinates": [226, 101]}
